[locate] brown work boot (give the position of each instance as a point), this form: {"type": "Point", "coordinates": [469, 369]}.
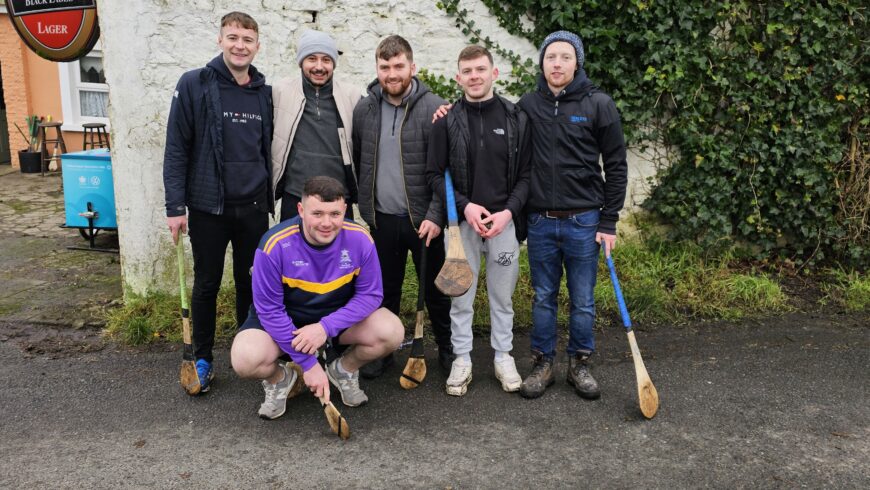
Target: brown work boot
{"type": "Point", "coordinates": [580, 378]}
{"type": "Point", "coordinates": [540, 379]}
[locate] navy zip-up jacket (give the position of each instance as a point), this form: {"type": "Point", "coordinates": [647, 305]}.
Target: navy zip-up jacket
{"type": "Point", "coordinates": [569, 133]}
{"type": "Point", "coordinates": [193, 158]}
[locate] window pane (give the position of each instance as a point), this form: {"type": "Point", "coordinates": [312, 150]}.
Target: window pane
{"type": "Point", "coordinates": [91, 69]}
{"type": "Point", "coordinates": [94, 104]}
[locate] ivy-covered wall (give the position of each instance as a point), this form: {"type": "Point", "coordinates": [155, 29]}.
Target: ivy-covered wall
{"type": "Point", "coordinates": [759, 111]}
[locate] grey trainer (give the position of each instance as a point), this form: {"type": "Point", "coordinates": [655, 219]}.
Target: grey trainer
{"type": "Point", "coordinates": [277, 394]}
{"type": "Point", "coordinates": [347, 384]}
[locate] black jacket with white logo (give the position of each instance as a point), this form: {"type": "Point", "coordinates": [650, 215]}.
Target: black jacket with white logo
{"type": "Point", "coordinates": [569, 134]}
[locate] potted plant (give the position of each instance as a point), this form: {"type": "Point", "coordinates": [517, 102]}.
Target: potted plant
{"type": "Point", "coordinates": [30, 159]}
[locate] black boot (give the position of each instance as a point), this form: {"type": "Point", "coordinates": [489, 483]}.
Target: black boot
{"type": "Point", "coordinates": [580, 378]}
{"type": "Point", "coordinates": [445, 359]}
{"type": "Point", "coordinates": [377, 367]}
{"type": "Point", "coordinates": [541, 378]}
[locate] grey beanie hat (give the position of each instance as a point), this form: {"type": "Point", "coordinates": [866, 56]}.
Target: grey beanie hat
{"type": "Point", "coordinates": [312, 42]}
{"type": "Point", "coordinates": [564, 36]}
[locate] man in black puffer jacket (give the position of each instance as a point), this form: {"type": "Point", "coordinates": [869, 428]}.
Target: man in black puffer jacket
{"type": "Point", "coordinates": [390, 135]}
{"type": "Point", "coordinates": [216, 166]}
{"type": "Point", "coordinates": [572, 207]}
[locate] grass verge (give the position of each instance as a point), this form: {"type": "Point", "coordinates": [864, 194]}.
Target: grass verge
{"type": "Point", "coordinates": [851, 290]}
{"type": "Point", "coordinates": [663, 283]}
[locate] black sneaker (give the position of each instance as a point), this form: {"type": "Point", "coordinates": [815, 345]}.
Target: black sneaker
{"type": "Point", "coordinates": [580, 378]}
{"type": "Point", "coordinates": [445, 359]}
{"type": "Point", "coordinates": [541, 378]}
{"type": "Point", "coordinates": [377, 367]}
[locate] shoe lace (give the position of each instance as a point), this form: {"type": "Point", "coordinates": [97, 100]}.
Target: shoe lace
{"type": "Point", "coordinates": [271, 391]}
{"type": "Point", "coordinates": [541, 365]}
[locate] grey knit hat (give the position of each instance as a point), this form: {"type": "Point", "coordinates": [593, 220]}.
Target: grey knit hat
{"type": "Point", "coordinates": [564, 36]}
{"type": "Point", "coordinates": [312, 42]}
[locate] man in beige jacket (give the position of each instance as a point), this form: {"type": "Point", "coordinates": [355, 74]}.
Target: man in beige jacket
{"type": "Point", "coordinates": [313, 115]}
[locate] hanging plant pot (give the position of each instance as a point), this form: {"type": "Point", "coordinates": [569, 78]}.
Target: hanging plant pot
{"type": "Point", "coordinates": [30, 161]}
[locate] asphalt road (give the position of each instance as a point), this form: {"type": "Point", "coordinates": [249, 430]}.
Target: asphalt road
{"type": "Point", "coordinates": [767, 404]}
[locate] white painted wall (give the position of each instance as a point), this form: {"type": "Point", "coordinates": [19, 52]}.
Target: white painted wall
{"type": "Point", "coordinates": [149, 44]}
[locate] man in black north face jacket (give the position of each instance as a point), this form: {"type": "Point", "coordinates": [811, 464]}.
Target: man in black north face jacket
{"type": "Point", "coordinates": [217, 175]}
{"type": "Point", "coordinates": [573, 205]}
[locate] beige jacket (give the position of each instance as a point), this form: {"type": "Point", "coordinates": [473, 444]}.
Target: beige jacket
{"type": "Point", "coordinates": [288, 101]}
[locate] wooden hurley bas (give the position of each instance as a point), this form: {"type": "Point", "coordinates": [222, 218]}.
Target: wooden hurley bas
{"type": "Point", "coordinates": [187, 375]}
{"type": "Point", "coordinates": [646, 391]}
{"type": "Point", "coordinates": [455, 277]}
{"type": "Point", "coordinates": [337, 423]}
{"type": "Point", "coordinates": [415, 370]}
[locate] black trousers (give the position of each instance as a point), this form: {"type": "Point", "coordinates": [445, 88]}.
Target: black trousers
{"type": "Point", "coordinates": [243, 226]}
{"type": "Point", "coordinates": [394, 237]}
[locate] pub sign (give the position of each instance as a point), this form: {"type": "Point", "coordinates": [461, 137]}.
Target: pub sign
{"type": "Point", "coordinates": [57, 30]}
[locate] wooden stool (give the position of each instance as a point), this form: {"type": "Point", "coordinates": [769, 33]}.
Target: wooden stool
{"type": "Point", "coordinates": [92, 130]}
{"type": "Point", "coordinates": [45, 140]}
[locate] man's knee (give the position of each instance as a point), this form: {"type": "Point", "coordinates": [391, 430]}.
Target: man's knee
{"type": "Point", "coordinates": [249, 353]}
{"type": "Point", "coordinates": [388, 328]}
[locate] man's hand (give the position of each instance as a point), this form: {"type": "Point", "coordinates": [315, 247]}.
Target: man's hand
{"type": "Point", "coordinates": [428, 230]}
{"type": "Point", "coordinates": [608, 240]}
{"type": "Point", "coordinates": [309, 338]}
{"type": "Point", "coordinates": [316, 381]}
{"type": "Point", "coordinates": [497, 223]}
{"type": "Point", "coordinates": [474, 216]}
{"type": "Point", "coordinates": [177, 224]}
{"type": "Point", "coordinates": [441, 112]}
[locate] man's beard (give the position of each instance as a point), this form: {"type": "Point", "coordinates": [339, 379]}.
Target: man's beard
{"type": "Point", "coordinates": [405, 83]}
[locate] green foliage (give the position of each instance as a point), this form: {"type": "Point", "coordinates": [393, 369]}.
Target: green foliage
{"type": "Point", "coordinates": [848, 289]}
{"type": "Point", "coordinates": [758, 111]}
{"type": "Point", "coordinates": [444, 87]}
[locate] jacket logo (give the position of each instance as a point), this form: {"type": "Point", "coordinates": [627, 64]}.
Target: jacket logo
{"type": "Point", "coordinates": [505, 258]}
{"type": "Point", "coordinates": [498, 131]}
{"type": "Point", "coordinates": [344, 262]}
{"type": "Point", "coordinates": [300, 263]}
{"type": "Point", "coordinates": [579, 119]}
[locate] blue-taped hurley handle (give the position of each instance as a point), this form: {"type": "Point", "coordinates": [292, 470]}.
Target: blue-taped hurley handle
{"type": "Point", "coordinates": [451, 199]}
{"type": "Point", "coordinates": [618, 291]}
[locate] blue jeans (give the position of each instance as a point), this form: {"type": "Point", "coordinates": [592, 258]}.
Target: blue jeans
{"type": "Point", "coordinates": [551, 243]}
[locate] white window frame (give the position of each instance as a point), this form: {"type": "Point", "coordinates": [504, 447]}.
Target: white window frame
{"type": "Point", "coordinates": [70, 84]}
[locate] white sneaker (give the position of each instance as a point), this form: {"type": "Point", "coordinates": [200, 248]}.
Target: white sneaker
{"type": "Point", "coordinates": [460, 377]}
{"type": "Point", "coordinates": [506, 372]}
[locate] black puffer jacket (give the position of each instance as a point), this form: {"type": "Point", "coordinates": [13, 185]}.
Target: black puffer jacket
{"type": "Point", "coordinates": [414, 138]}
{"type": "Point", "coordinates": [569, 133]}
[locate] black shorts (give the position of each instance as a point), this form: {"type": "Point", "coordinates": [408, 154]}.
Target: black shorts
{"type": "Point", "coordinates": [327, 353]}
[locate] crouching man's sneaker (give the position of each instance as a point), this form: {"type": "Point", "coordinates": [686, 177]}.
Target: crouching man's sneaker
{"type": "Point", "coordinates": [506, 372]}
{"type": "Point", "coordinates": [460, 377]}
{"type": "Point", "coordinates": [205, 373]}
{"type": "Point", "coordinates": [278, 393]}
{"type": "Point", "coordinates": [347, 384]}
{"type": "Point", "coordinates": [580, 378]}
{"type": "Point", "coordinates": [541, 377]}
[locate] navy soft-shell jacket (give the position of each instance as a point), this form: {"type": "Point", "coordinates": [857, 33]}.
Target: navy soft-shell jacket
{"type": "Point", "coordinates": [193, 158]}
{"type": "Point", "coordinates": [569, 133]}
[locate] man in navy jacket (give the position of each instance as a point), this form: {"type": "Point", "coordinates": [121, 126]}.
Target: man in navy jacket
{"type": "Point", "coordinates": [217, 173]}
{"type": "Point", "coordinates": [573, 205]}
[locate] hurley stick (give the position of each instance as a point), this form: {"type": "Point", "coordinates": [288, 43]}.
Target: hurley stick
{"type": "Point", "coordinates": [336, 422]}
{"type": "Point", "coordinates": [646, 391]}
{"type": "Point", "coordinates": [187, 376]}
{"type": "Point", "coordinates": [415, 369]}
{"type": "Point", "coordinates": [455, 276]}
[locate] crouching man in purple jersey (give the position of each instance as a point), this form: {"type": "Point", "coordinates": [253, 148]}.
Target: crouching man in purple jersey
{"type": "Point", "coordinates": [316, 277]}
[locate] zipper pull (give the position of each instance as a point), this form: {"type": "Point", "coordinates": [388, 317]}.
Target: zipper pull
{"type": "Point", "coordinates": [556, 109]}
{"type": "Point", "coordinates": [317, 101]}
